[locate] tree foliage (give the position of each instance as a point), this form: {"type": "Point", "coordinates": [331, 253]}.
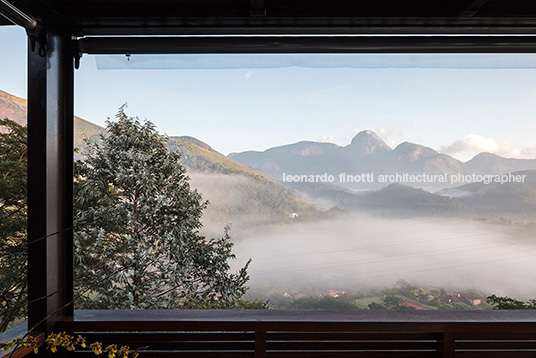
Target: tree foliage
{"type": "Point", "coordinates": [507, 303]}
{"type": "Point", "coordinates": [454, 306]}
{"type": "Point", "coordinates": [13, 180]}
{"type": "Point", "coordinates": [325, 302]}
{"type": "Point", "coordinates": [137, 240]}
{"type": "Point", "coordinates": [377, 306]}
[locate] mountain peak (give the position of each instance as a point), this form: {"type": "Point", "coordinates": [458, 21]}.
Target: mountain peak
{"type": "Point", "coordinates": [366, 142]}
{"type": "Point", "coordinates": [486, 156]}
{"type": "Point", "coordinates": [411, 151]}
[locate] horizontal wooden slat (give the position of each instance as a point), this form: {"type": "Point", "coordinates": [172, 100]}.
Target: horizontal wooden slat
{"type": "Point", "coordinates": [168, 336]}
{"type": "Point", "coordinates": [184, 346]}
{"type": "Point", "coordinates": [466, 336]}
{"type": "Point", "coordinates": [496, 354]}
{"type": "Point", "coordinates": [497, 345]}
{"type": "Point", "coordinates": [352, 336]}
{"type": "Point", "coordinates": [175, 354]}
{"type": "Point", "coordinates": [193, 336]}
{"type": "Point", "coordinates": [352, 354]}
{"type": "Point", "coordinates": [351, 345]}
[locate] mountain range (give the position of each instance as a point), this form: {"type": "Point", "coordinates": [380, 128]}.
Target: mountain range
{"type": "Point", "coordinates": [368, 153]}
{"type": "Point", "coordinates": [15, 108]}
{"type": "Point", "coordinates": [243, 188]}
{"type": "Point", "coordinates": [237, 193]}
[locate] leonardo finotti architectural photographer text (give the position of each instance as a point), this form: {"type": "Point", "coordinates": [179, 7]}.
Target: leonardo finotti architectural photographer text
{"type": "Point", "coordinates": [404, 178]}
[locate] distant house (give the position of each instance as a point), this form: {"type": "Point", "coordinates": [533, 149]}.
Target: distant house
{"type": "Point", "coordinates": [451, 298]}
{"type": "Point", "coordinates": [463, 298]}
{"type": "Point", "coordinates": [474, 301]}
{"type": "Point", "coordinates": [295, 295]}
{"type": "Point", "coordinates": [334, 294]}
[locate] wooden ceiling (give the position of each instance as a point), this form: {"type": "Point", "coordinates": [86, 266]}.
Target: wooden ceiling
{"type": "Point", "coordinates": [84, 9]}
{"type": "Point", "coordinates": [127, 17]}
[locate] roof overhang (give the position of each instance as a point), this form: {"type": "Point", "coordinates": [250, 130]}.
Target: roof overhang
{"type": "Point", "coordinates": [224, 17]}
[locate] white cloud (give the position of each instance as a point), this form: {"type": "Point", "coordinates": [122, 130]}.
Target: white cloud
{"type": "Point", "coordinates": [250, 73]}
{"type": "Point", "coordinates": [390, 134]}
{"type": "Point", "coordinates": [473, 144]}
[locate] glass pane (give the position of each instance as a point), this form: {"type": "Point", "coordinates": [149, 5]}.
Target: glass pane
{"type": "Point", "coordinates": [13, 161]}
{"type": "Point", "coordinates": [350, 181]}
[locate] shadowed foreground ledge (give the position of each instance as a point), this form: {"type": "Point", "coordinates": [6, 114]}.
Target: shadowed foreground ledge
{"type": "Point", "coordinates": [308, 333]}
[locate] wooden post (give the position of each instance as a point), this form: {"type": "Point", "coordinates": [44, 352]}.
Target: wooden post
{"type": "Point", "coordinates": [50, 179]}
{"type": "Point", "coordinates": [260, 344]}
{"type": "Point", "coordinates": [448, 345]}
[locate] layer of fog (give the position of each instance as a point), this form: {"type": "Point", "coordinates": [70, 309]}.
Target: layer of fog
{"type": "Point", "coordinates": [358, 252]}
{"type": "Point", "coordinates": [230, 203]}
{"type": "Point", "coordinates": [362, 252]}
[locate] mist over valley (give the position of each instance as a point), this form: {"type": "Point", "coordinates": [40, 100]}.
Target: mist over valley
{"type": "Point", "coordinates": [315, 239]}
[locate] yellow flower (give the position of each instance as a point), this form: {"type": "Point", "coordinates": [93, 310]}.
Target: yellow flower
{"type": "Point", "coordinates": [55, 340]}
{"type": "Point", "coordinates": [96, 348]}
{"type": "Point", "coordinates": [111, 349]}
{"type": "Point", "coordinates": [81, 341]}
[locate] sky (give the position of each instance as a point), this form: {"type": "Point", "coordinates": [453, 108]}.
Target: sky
{"type": "Point", "coordinates": [460, 112]}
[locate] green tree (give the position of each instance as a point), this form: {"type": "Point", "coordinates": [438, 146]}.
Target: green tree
{"type": "Point", "coordinates": [377, 306]}
{"type": "Point", "coordinates": [392, 302]}
{"type": "Point", "coordinates": [507, 303]}
{"type": "Point", "coordinates": [137, 241]}
{"type": "Point", "coordinates": [13, 164]}
{"type": "Point", "coordinates": [454, 306]}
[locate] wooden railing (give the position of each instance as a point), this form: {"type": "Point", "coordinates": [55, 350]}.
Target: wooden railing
{"type": "Point", "coordinates": [327, 334]}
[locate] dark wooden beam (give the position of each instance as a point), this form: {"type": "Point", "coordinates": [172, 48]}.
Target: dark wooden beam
{"type": "Point", "coordinates": [475, 321]}
{"type": "Point", "coordinates": [304, 25]}
{"type": "Point", "coordinates": [167, 17]}
{"type": "Point", "coordinates": [309, 44]}
{"type": "Point", "coordinates": [50, 179]}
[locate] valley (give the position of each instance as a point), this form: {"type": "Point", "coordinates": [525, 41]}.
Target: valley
{"type": "Point", "coordinates": [356, 233]}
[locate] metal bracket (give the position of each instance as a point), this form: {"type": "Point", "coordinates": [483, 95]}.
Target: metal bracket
{"type": "Point", "coordinates": [38, 39]}
{"type": "Point", "coordinates": [77, 56]}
